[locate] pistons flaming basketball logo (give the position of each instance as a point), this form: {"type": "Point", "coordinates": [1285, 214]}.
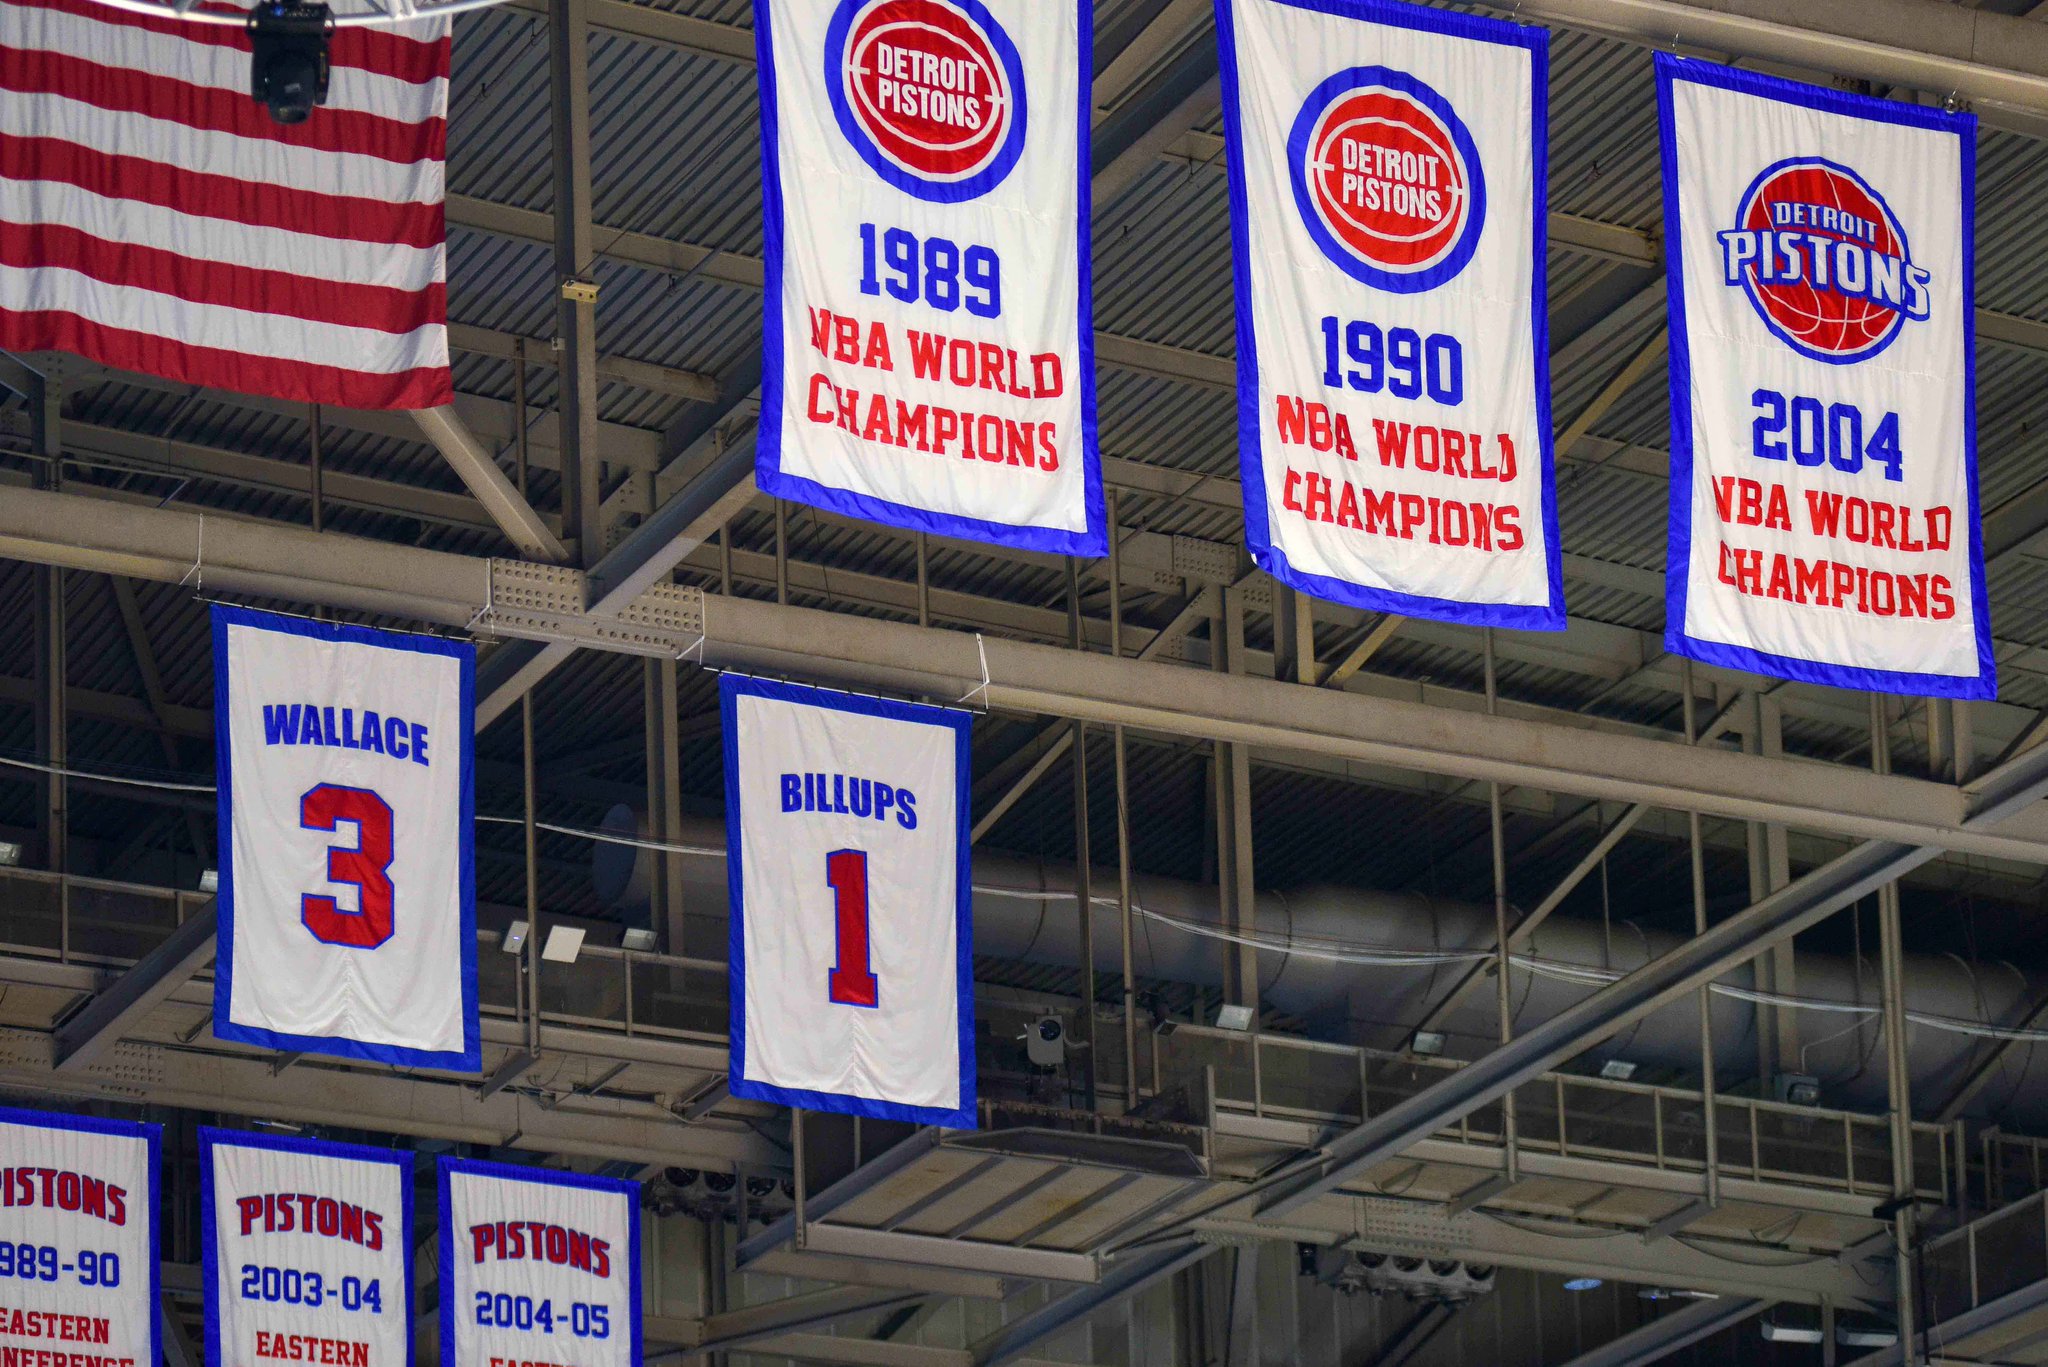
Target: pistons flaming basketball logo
{"type": "Point", "coordinates": [930, 93]}
{"type": "Point", "coordinates": [1824, 261]}
{"type": "Point", "coordinates": [1387, 179]}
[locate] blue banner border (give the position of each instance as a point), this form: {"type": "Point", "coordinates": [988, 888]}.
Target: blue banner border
{"type": "Point", "coordinates": [1251, 466]}
{"type": "Point", "coordinates": [213, 1136]}
{"type": "Point", "coordinates": [1678, 551]}
{"type": "Point", "coordinates": [769, 476]}
{"type": "Point", "coordinates": [469, 1058]}
{"type": "Point", "coordinates": [152, 1136]}
{"type": "Point", "coordinates": [733, 687]}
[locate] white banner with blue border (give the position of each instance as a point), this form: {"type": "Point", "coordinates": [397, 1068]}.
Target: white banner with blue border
{"type": "Point", "coordinates": [347, 860]}
{"type": "Point", "coordinates": [928, 358]}
{"type": "Point", "coordinates": [538, 1268]}
{"type": "Point", "coordinates": [307, 1248]}
{"type": "Point", "coordinates": [852, 970]}
{"type": "Point", "coordinates": [78, 1241]}
{"type": "Point", "coordinates": [1388, 229]}
{"type": "Point", "coordinates": [1824, 520]}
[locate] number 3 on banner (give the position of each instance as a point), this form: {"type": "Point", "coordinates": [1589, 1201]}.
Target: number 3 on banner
{"type": "Point", "coordinates": [850, 983]}
{"type": "Point", "coordinates": [364, 867]}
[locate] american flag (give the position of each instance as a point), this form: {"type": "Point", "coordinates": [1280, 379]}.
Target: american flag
{"type": "Point", "coordinates": [154, 218]}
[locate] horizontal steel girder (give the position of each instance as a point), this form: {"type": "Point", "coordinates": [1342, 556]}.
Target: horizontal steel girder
{"type": "Point", "coordinates": [545, 603]}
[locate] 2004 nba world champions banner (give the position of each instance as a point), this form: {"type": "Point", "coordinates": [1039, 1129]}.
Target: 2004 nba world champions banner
{"type": "Point", "coordinates": [928, 345]}
{"type": "Point", "coordinates": [1388, 229]}
{"type": "Point", "coordinates": [1824, 519]}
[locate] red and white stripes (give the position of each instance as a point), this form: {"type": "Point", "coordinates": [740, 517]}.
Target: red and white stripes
{"type": "Point", "coordinates": [154, 218]}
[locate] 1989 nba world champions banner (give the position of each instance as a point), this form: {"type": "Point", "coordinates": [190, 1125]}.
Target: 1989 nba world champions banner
{"type": "Point", "coordinates": [1824, 519]}
{"type": "Point", "coordinates": [928, 350]}
{"type": "Point", "coordinates": [1388, 227]}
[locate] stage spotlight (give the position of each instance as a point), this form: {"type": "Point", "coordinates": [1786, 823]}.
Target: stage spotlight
{"type": "Point", "coordinates": [288, 71]}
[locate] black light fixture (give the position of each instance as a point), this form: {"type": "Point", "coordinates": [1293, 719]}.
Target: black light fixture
{"type": "Point", "coordinates": [288, 71]}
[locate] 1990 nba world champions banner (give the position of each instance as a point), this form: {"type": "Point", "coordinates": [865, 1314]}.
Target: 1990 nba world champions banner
{"type": "Point", "coordinates": [1824, 519]}
{"type": "Point", "coordinates": [1388, 228]}
{"type": "Point", "coordinates": [928, 346]}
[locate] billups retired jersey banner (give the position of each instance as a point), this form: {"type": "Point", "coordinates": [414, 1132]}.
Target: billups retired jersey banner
{"type": "Point", "coordinates": [78, 1241]}
{"type": "Point", "coordinates": [928, 357]}
{"type": "Point", "coordinates": [1388, 227]}
{"type": "Point", "coordinates": [1823, 438]}
{"type": "Point", "coordinates": [847, 859]}
{"type": "Point", "coordinates": [538, 1268]}
{"type": "Point", "coordinates": [347, 888]}
{"type": "Point", "coordinates": [307, 1248]}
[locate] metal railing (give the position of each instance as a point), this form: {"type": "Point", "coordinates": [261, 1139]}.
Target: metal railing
{"type": "Point", "coordinates": [1992, 1256]}
{"type": "Point", "coordinates": [1189, 1068]}
{"type": "Point", "coordinates": [1284, 1078]}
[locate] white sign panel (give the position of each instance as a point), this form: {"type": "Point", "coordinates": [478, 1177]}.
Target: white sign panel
{"type": "Point", "coordinates": [308, 1251]}
{"type": "Point", "coordinates": [847, 855]}
{"type": "Point", "coordinates": [347, 889]}
{"type": "Point", "coordinates": [1823, 431]}
{"type": "Point", "coordinates": [538, 1268]}
{"type": "Point", "coordinates": [78, 1252]}
{"type": "Point", "coordinates": [928, 358]}
{"type": "Point", "coordinates": [1388, 224]}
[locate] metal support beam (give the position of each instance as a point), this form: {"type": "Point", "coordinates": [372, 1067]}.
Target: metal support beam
{"type": "Point", "coordinates": [100, 1024]}
{"type": "Point", "coordinates": [2016, 785]}
{"type": "Point", "coordinates": [1415, 1335]}
{"type": "Point", "coordinates": [480, 474]}
{"type": "Point", "coordinates": [819, 1205]}
{"type": "Point", "coordinates": [575, 259]}
{"type": "Point", "coordinates": [1610, 764]}
{"type": "Point", "coordinates": [1137, 134]}
{"type": "Point", "coordinates": [1661, 1337]}
{"type": "Point", "coordinates": [732, 1328]}
{"type": "Point", "coordinates": [1124, 1278]}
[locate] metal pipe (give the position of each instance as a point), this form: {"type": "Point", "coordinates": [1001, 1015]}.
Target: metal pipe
{"type": "Point", "coordinates": [1898, 1083]}
{"type": "Point", "coordinates": [1710, 1127]}
{"type": "Point", "coordinates": [1084, 896]}
{"type": "Point", "coordinates": [1503, 969]}
{"type": "Point", "coordinates": [1123, 824]}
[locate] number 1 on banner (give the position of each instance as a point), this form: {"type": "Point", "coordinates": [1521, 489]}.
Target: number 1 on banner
{"type": "Point", "coordinates": [850, 983]}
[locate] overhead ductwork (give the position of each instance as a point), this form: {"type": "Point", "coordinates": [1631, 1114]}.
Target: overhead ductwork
{"type": "Point", "coordinates": [1312, 938]}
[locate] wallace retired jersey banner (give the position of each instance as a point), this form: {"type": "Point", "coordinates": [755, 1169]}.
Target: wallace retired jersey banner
{"type": "Point", "coordinates": [928, 351]}
{"type": "Point", "coordinates": [78, 1242]}
{"type": "Point", "coordinates": [538, 1268]}
{"type": "Point", "coordinates": [347, 889]}
{"type": "Point", "coordinates": [308, 1251]}
{"type": "Point", "coordinates": [1388, 227]}
{"type": "Point", "coordinates": [1823, 432]}
{"type": "Point", "coordinates": [847, 858]}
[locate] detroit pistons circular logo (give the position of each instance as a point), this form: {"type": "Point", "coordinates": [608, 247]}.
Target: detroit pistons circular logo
{"type": "Point", "coordinates": [1824, 261]}
{"type": "Point", "coordinates": [930, 93]}
{"type": "Point", "coordinates": [1387, 179]}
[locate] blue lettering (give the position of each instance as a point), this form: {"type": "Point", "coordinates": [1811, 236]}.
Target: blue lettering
{"type": "Point", "coordinates": [419, 743]}
{"type": "Point", "coordinates": [885, 798]}
{"type": "Point", "coordinates": [906, 809]}
{"type": "Point", "coordinates": [373, 732]}
{"type": "Point", "coordinates": [281, 724]}
{"type": "Point", "coordinates": [309, 733]}
{"type": "Point", "coordinates": [394, 738]}
{"type": "Point", "coordinates": [792, 794]}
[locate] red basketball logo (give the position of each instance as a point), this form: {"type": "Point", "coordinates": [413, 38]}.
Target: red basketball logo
{"type": "Point", "coordinates": [1824, 261]}
{"type": "Point", "coordinates": [926, 84]}
{"type": "Point", "coordinates": [1387, 179]}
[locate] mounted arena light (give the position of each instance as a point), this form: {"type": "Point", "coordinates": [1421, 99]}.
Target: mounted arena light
{"type": "Point", "coordinates": [288, 66]}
